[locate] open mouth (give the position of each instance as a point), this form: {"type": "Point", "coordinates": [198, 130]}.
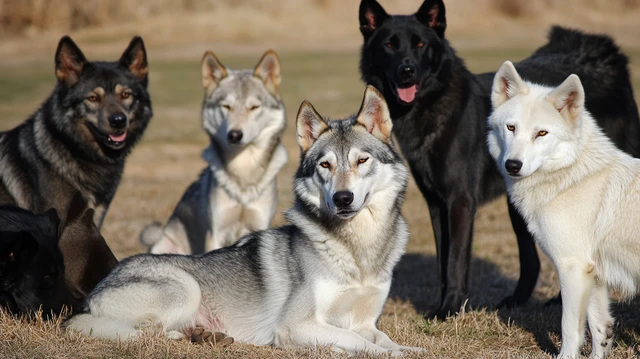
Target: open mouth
{"type": "Point", "coordinates": [114, 140]}
{"type": "Point", "coordinates": [407, 92]}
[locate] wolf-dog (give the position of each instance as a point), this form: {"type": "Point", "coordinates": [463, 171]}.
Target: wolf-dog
{"type": "Point", "coordinates": [578, 193]}
{"type": "Point", "coordinates": [244, 116]}
{"type": "Point", "coordinates": [80, 137]}
{"type": "Point", "coordinates": [321, 280]}
{"type": "Point", "coordinates": [439, 110]}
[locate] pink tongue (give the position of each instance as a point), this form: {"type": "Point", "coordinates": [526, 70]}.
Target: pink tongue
{"type": "Point", "coordinates": [119, 138]}
{"type": "Point", "coordinates": [407, 94]}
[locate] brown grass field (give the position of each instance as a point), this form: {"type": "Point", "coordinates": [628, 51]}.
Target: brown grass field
{"type": "Point", "coordinates": [323, 70]}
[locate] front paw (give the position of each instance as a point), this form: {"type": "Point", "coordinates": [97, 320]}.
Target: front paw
{"type": "Point", "coordinates": [200, 335]}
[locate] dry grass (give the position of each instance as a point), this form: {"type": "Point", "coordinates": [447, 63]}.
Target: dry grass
{"type": "Point", "coordinates": [167, 160]}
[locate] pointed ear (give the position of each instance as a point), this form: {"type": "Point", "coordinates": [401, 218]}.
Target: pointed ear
{"type": "Point", "coordinates": [309, 126]}
{"type": "Point", "coordinates": [134, 58]}
{"type": "Point", "coordinates": [568, 98]}
{"type": "Point", "coordinates": [69, 62]}
{"type": "Point", "coordinates": [372, 16]}
{"type": "Point", "coordinates": [507, 84]}
{"type": "Point", "coordinates": [374, 115]}
{"type": "Point", "coordinates": [432, 14]}
{"type": "Point", "coordinates": [268, 70]}
{"type": "Point", "coordinates": [213, 71]}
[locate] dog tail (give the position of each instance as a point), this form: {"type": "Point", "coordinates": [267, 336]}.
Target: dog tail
{"type": "Point", "coordinates": [151, 234]}
{"type": "Point", "coordinates": [101, 327]}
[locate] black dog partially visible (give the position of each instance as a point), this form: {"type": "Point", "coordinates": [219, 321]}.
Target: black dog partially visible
{"type": "Point", "coordinates": [440, 109]}
{"type": "Point", "coordinates": [31, 263]}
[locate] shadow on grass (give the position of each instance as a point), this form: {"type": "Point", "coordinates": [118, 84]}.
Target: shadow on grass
{"type": "Point", "coordinates": [543, 321]}
{"type": "Point", "coordinates": [415, 279]}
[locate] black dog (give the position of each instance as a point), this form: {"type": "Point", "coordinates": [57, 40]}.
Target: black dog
{"type": "Point", "coordinates": [439, 110]}
{"type": "Point", "coordinates": [80, 137]}
{"type": "Point", "coordinates": [31, 264]}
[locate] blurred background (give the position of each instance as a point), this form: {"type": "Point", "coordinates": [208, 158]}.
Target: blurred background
{"type": "Point", "coordinates": [318, 42]}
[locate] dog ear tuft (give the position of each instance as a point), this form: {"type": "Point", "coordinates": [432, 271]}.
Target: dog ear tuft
{"type": "Point", "coordinates": [568, 98]}
{"type": "Point", "coordinates": [507, 83]}
{"type": "Point", "coordinates": [309, 126]}
{"type": "Point", "coordinates": [213, 71]}
{"type": "Point", "coordinates": [372, 15]}
{"type": "Point", "coordinates": [70, 62]}
{"type": "Point", "coordinates": [268, 70]}
{"type": "Point", "coordinates": [374, 115]}
{"type": "Point", "coordinates": [432, 14]}
{"type": "Point", "coordinates": [134, 58]}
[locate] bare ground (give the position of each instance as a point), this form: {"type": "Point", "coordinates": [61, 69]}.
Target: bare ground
{"type": "Point", "coordinates": [167, 160]}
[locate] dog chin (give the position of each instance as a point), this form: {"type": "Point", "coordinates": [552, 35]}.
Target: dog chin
{"type": "Point", "coordinates": [346, 214]}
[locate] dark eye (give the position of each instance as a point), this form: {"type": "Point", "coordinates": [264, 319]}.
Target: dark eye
{"type": "Point", "coordinates": [420, 44]}
{"type": "Point", "coordinates": [47, 276]}
{"type": "Point", "coordinates": [389, 45]}
{"type": "Point", "coordinates": [226, 107]}
{"type": "Point", "coordinates": [542, 133]}
{"type": "Point", "coordinates": [325, 164]}
{"type": "Point", "coordinates": [92, 98]}
{"type": "Point", "coordinates": [511, 128]}
{"type": "Point", "coordinates": [254, 107]}
{"type": "Point", "coordinates": [363, 160]}
{"type": "Point", "coordinates": [126, 94]}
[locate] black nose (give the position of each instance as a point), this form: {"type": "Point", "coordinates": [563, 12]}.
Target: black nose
{"type": "Point", "coordinates": [513, 166]}
{"type": "Point", "coordinates": [406, 72]}
{"type": "Point", "coordinates": [118, 120]}
{"type": "Point", "coordinates": [234, 136]}
{"type": "Point", "coordinates": [343, 198]}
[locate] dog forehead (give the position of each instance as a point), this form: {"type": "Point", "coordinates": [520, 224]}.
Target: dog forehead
{"type": "Point", "coordinates": [242, 85]}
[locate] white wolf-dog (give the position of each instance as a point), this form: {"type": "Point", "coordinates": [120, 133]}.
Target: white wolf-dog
{"type": "Point", "coordinates": [243, 114]}
{"type": "Point", "coordinates": [321, 280]}
{"type": "Point", "coordinates": [579, 194]}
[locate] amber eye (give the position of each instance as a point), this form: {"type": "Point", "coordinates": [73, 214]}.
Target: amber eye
{"type": "Point", "coordinates": [363, 160]}
{"type": "Point", "coordinates": [389, 45]}
{"type": "Point", "coordinates": [542, 133]}
{"type": "Point", "coordinates": [324, 164]}
{"type": "Point", "coordinates": [126, 94]}
{"type": "Point", "coordinates": [420, 44]}
{"type": "Point", "coordinates": [511, 128]}
{"type": "Point", "coordinates": [92, 98]}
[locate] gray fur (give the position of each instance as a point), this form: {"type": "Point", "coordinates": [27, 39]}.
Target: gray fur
{"type": "Point", "coordinates": [237, 192]}
{"type": "Point", "coordinates": [321, 280]}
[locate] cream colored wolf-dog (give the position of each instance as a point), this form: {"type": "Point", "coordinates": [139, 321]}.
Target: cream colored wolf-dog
{"type": "Point", "coordinates": [579, 194]}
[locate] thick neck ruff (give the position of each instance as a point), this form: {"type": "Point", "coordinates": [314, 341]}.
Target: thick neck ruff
{"type": "Point", "coordinates": [249, 193]}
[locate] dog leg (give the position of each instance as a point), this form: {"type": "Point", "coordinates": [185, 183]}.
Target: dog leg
{"type": "Point", "coordinates": [439, 222]}
{"type": "Point", "coordinates": [600, 321]}
{"type": "Point", "coordinates": [529, 261]}
{"type": "Point", "coordinates": [576, 282]}
{"type": "Point", "coordinates": [378, 337]}
{"type": "Point", "coordinates": [320, 334]}
{"type": "Point", "coordinates": [460, 219]}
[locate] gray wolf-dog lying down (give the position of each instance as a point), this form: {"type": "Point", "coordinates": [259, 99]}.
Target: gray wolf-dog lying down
{"type": "Point", "coordinates": [321, 280]}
